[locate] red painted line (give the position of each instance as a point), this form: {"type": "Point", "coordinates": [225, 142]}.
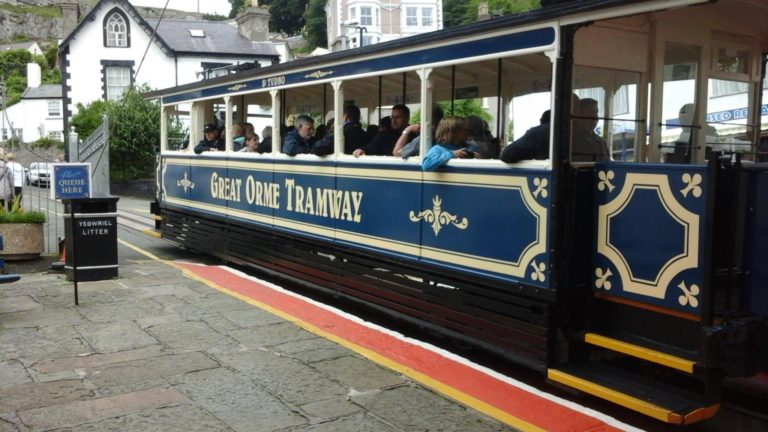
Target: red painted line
{"type": "Point", "coordinates": [526, 406]}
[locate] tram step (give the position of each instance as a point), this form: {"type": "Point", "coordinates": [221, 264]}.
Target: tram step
{"type": "Point", "coordinates": [650, 397]}
{"type": "Point", "coordinates": [640, 352]}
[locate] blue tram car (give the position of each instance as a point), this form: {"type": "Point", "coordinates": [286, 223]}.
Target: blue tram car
{"type": "Point", "coordinates": [636, 274]}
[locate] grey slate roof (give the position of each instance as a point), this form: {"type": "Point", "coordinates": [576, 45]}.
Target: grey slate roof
{"type": "Point", "coordinates": [45, 91]}
{"type": "Point", "coordinates": [15, 46]}
{"type": "Point", "coordinates": [220, 38]}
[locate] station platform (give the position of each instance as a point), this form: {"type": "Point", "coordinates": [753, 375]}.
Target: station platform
{"type": "Point", "coordinates": [172, 345]}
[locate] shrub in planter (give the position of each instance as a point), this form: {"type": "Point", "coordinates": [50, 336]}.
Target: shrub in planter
{"type": "Point", "coordinates": [22, 232]}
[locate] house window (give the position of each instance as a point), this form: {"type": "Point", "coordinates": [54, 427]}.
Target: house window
{"type": "Point", "coordinates": [116, 29]}
{"type": "Point", "coordinates": [367, 40]}
{"type": "Point", "coordinates": [118, 79]}
{"type": "Point", "coordinates": [18, 134]}
{"type": "Point", "coordinates": [366, 15]}
{"type": "Point", "coordinates": [411, 19]}
{"type": "Point", "coordinates": [426, 17]}
{"type": "Point", "coordinates": [352, 13]}
{"type": "Point", "coordinates": [54, 109]}
{"type": "Point", "coordinates": [58, 136]}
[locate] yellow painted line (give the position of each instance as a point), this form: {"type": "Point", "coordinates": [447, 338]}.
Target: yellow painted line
{"type": "Point", "coordinates": [157, 217]}
{"type": "Point", "coordinates": [616, 397]}
{"type": "Point", "coordinates": [640, 352]}
{"type": "Point", "coordinates": [419, 377]}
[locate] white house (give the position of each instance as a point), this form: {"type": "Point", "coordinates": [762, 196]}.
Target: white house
{"type": "Point", "coordinates": [379, 21]}
{"type": "Point", "coordinates": [113, 48]}
{"type": "Point", "coordinates": [39, 112]}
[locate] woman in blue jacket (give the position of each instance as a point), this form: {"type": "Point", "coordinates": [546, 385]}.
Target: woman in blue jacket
{"type": "Point", "coordinates": [450, 142]}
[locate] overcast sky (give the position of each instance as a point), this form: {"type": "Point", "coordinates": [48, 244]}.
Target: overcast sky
{"type": "Point", "coordinates": [220, 7]}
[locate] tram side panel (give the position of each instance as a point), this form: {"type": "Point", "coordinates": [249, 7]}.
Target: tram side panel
{"type": "Point", "coordinates": [469, 255]}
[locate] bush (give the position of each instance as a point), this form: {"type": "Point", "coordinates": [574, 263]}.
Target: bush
{"type": "Point", "coordinates": [48, 142]}
{"type": "Point", "coordinates": [18, 215]}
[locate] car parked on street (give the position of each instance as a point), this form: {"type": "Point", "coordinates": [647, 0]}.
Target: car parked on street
{"type": "Point", "coordinates": [39, 174]}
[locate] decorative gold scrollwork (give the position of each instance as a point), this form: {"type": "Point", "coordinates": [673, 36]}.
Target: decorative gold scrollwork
{"type": "Point", "coordinates": [602, 278]}
{"type": "Point", "coordinates": [185, 183]}
{"type": "Point", "coordinates": [692, 182]}
{"type": "Point", "coordinates": [689, 295]}
{"type": "Point", "coordinates": [605, 181]}
{"type": "Point", "coordinates": [538, 271]}
{"type": "Point", "coordinates": [437, 217]}
{"type": "Point", "coordinates": [541, 187]}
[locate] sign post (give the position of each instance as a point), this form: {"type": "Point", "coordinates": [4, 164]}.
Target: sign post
{"type": "Point", "coordinates": [72, 181]}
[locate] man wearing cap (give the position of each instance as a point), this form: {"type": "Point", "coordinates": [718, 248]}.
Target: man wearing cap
{"type": "Point", "coordinates": [211, 142]}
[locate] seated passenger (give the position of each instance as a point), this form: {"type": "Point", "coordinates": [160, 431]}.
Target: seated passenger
{"type": "Point", "coordinates": [248, 129]}
{"type": "Point", "coordinates": [451, 136]}
{"type": "Point", "coordinates": [410, 140]}
{"type": "Point", "coordinates": [354, 135]}
{"type": "Point", "coordinates": [211, 142]}
{"type": "Point", "coordinates": [301, 139]}
{"type": "Point", "coordinates": [586, 145]}
{"type": "Point", "coordinates": [251, 144]}
{"type": "Point", "coordinates": [384, 142]}
{"type": "Point", "coordinates": [265, 146]}
{"type": "Point", "coordinates": [238, 136]}
{"type": "Point", "coordinates": [481, 138]}
{"type": "Point", "coordinates": [533, 145]}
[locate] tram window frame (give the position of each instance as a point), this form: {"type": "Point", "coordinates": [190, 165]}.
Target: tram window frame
{"type": "Point", "coordinates": [608, 118]}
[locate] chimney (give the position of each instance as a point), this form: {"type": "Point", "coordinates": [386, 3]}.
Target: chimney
{"type": "Point", "coordinates": [253, 23]}
{"type": "Point", "coordinates": [482, 11]}
{"type": "Point", "coordinates": [70, 13]}
{"type": "Point", "coordinates": [33, 75]}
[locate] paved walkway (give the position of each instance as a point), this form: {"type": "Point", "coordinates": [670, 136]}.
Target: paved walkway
{"type": "Point", "coordinates": [156, 351]}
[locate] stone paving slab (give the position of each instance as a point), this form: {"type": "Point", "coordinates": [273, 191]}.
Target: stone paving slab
{"type": "Point", "coordinates": [153, 350]}
{"type": "Point", "coordinates": [75, 413]}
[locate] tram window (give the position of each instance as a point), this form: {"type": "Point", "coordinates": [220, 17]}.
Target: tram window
{"type": "Point", "coordinates": [503, 97]}
{"type": "Point", "coordinates": [606, 117]}
{"type": "Point", "coordinates": [680, 112]}
{"type": "Point", "coordinates": [727, 117]}
{"type": "Point", "coordinates": [178, 127]}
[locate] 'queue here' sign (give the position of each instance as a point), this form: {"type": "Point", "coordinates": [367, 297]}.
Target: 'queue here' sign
{"type": "Point", "coordinates": [72, 180]}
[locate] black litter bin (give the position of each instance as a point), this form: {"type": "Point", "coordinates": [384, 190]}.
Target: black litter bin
{"type": "Point", "coordinates": [94, 235]}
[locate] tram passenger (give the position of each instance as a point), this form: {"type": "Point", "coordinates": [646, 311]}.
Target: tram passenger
{"type": "Point", "coordinates": [265, 146]}
{"type": "Point", "coordinates": [251, 144]}
{"type": "Point", "coordinates": [301, 139]}
{"type": "Point", "coordinates": [384, 142]}
{"type": "Point", "coordinates": [249, 129]}
{"type": "Point", "coordinates": [410, 140]}
{"type": "Point", "coordinates": [480, 136]}
{"type": "Point", "coordinates": [354, 135]}
{"type": "Point", "coordinates": [211, 141]}
{"type": "Point", "coordinates": [587, 146]}
{"type": "Point", "coordinates": [451, 136]}
{"type": "Point", "coordinates": [533, 145]}
{"type": "Point", "coordinates": [685, 142]}
{"type": "Point", "coordinates": [238, 136]}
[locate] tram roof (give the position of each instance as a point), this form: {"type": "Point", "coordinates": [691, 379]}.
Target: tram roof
{"type": "Point", "coordinates": [578, 11]}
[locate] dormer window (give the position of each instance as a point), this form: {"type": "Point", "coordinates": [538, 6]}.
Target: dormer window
{"type": "Point", "coordinates": [116, 29]}
{"type": "Point", "coordinates": [196, 33]}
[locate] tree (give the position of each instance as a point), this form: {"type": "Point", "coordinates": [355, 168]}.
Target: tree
{"type": "Point", "coordinates": [315, 31]}
{"type": "Point", "coordinates": [461, 107]}
{"type": "Point", "coordinates": [134, 129]}
{"type": "Point", "coordinates": [134, 135]}
{"type": "Point", "coordinates": [237, 6]}
{"type": "Point", "coordinates": [287, 16]}
{"type": "Point", "coordinates": [453, 12]}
